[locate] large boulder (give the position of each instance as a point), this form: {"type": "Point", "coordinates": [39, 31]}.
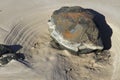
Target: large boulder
{"type": "Point", "coordinates": [74, 29]}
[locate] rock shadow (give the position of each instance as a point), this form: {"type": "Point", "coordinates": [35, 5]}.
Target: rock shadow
{"type": "Point", "coordinates": [14, 48]}
{"type": "Point", "coordinates": [5, 49]}
{"type": "Point", "coordinates": [21, 58]}
{"type": "Point", "coordinates": [105, 32]}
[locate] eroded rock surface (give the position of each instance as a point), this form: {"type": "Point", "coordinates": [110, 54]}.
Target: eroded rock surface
{"type": "Point", "coordinates": [73, 28]}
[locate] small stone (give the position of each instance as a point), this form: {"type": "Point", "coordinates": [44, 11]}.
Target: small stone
{"type": "Point", "coordinates": [6, 58]}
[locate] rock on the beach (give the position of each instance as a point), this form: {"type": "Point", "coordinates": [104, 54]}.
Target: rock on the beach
{"type": "Point", "coordinates": [74, 29]}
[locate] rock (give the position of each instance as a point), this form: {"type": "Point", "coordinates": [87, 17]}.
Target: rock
{"type": "Point", "coordinates": [74, 29]}
{"type": "Point", "coordinates": [6, 58]}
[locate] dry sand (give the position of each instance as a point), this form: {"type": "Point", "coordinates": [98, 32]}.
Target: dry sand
{"type": "Point", "coordinates": [24, 22]}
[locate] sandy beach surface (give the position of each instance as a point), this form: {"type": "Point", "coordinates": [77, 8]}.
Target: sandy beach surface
{"type": "Point", "coordinates": [24, 22]}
